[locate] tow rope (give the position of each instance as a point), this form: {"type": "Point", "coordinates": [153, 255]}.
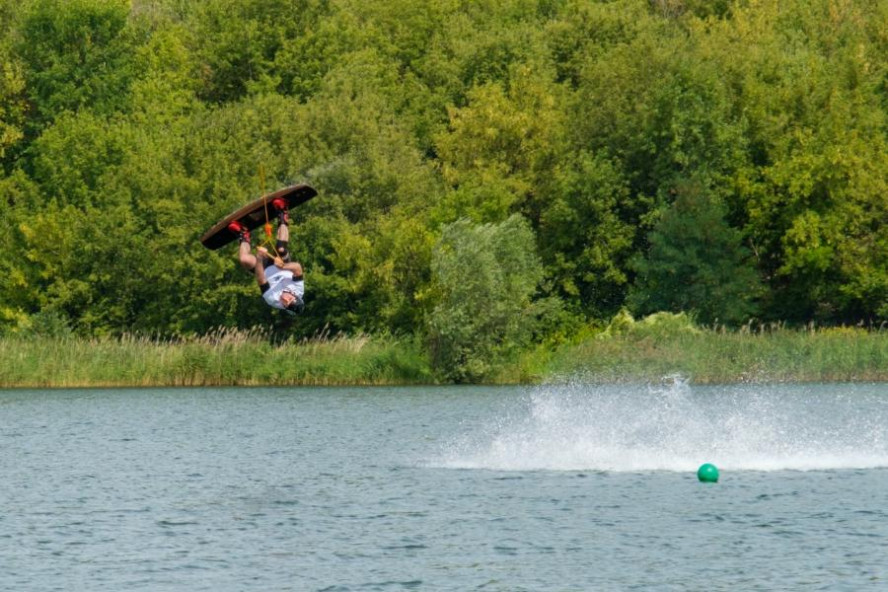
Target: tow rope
{"type": "Point", "coordinates": [269, 231]}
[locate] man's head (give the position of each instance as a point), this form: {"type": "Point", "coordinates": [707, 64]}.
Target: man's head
{"type": "Point", "coordinates": [293, 304]}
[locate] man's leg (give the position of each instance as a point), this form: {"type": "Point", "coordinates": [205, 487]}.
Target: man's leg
{"type": "Point", "coordinates": [283, 232]}
{"type": "Point", "coordinates": [245, 256]}
{"type": "Point", "coordinates": [282, 246]}
{"type": "Point", "coordinates": [245, 249]}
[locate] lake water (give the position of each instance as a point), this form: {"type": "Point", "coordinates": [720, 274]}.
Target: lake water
{"type": "Point", "coordinates": [550, 488]}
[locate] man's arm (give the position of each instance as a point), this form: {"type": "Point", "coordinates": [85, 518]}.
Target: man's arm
{"type": "Point", "coordinates": [259, 269]}
{"type": "Point", "coordinates": [295, 267]}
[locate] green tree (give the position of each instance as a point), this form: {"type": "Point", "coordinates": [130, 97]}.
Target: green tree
{"type": "Point", "coordinates": [696, 262]}
{"type": "Point", "coordinates": [12, 103]}
{"type": "Point", "coordinates": [263, 46]}
{"type": "Point", "coordinates": [586, 240]}
{"type": "Point", "coordinates": [813, 191]}
{"type": "Point", "coordinates": [485, 277]}
{"type": "Point", "coordinates": [77, 53]}
{"type": "Point", "coordinates": [18, 197]}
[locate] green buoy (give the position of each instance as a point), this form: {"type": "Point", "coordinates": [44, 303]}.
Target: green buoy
{"type": "Point", "coordinates": [707, 473]}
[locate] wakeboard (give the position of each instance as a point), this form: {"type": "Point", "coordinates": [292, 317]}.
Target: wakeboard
{"type": "Point", "coordinates": [255, 214]}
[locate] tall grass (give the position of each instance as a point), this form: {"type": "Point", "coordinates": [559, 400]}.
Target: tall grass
{"type": "Point", "coordinates": [222, 357]}
{"type": "Point", "coordinates": [627, 350]}
{"type": "Point", "coordinates": [769, 354]}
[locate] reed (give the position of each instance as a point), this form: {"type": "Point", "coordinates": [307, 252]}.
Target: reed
{"type": "Point", "coordinates": [767, 354]}
{"type": "Point", "coordinates": [637, 351]}
{"type": "Point", "coordinates": [221, 357]}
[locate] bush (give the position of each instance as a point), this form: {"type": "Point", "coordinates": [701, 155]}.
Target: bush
{"type": "Point", "coordinates": [484, 276]}
{"type": "Point", "coordinates": [658, 326]}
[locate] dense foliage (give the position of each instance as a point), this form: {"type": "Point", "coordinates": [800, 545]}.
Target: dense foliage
{"type": "Point", "coordinates": [727, 158]}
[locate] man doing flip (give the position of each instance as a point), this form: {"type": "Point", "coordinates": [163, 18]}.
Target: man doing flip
{"type": "Point", "coordinates": [279, 278]}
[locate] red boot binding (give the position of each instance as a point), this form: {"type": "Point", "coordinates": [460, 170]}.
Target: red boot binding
{"type": "Point", "coordinates": [280, 204]}
{"type": "Point", "coordinates": [242, 233]}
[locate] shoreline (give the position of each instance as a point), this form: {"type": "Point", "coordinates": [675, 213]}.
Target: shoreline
{"type": "Point", "coordinates": [639, 355]}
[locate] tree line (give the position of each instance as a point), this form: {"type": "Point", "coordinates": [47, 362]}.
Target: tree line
{"type": "Point", "coordinates": [492, 173]}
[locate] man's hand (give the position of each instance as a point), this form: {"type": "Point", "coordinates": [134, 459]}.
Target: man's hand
{"type": "Point", "coordinates": [264, 253]}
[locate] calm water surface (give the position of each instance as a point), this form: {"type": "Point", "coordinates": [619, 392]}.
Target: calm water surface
{"type": "Point", "coordinates": [572, 487]}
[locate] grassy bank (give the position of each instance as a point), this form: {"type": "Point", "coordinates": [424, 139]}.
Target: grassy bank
{"type": "Point", "coordinates": [628, 350]}
{"type": "Point", "coordinates": [662, 346]}
{"type": "Point", "coordinates": [221, 358]}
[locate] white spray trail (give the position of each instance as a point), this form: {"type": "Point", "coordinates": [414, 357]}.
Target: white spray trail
{"type": "Point", "coordinates": [675, 427]}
